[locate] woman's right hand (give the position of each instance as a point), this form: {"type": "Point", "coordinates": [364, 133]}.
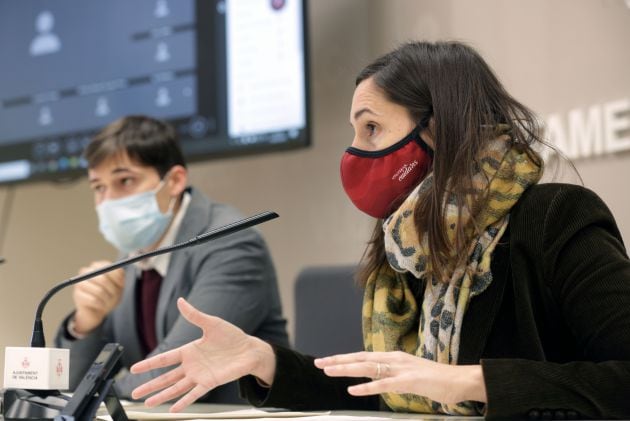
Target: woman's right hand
{"type": "Point", "coordinates": [223, 353]}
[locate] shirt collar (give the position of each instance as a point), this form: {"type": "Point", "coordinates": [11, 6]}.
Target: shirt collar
{"type": "Point", "coordinates": [160, 262]}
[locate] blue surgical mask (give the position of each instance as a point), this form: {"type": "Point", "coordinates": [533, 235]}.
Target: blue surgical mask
{"type": "Point", "coordinates": [134, 222]}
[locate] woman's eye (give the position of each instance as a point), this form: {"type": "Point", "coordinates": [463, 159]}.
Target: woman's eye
{"type": "Point", "coordinates": [98, 189]}
{"type": "Point", "coordinates": [371, 129]}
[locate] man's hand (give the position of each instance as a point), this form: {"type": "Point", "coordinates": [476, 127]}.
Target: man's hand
{"type": "Point", "coordinates": [96, 298]}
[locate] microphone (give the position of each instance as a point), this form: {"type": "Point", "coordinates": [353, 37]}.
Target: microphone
{"type": "Point", "coordinates": [31, 375]}
{"type": "Point", "coordinates": [18, 359]}
{"type": "Point", "coordinates": [38, 340]}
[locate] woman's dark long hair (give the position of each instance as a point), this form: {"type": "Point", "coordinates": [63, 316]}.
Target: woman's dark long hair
{"type": "Point", "coordinates": [449, 88]}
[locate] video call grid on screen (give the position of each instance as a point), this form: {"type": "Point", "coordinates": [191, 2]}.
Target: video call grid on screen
{"type": "Point", "coordinates": [230, 75]}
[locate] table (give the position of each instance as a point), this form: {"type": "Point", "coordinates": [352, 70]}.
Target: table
{"type": "Point", "coordinates": [366, 415]}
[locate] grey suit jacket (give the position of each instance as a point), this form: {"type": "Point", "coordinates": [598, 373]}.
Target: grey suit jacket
{"type": "Point", "coordinates": [232, 278]}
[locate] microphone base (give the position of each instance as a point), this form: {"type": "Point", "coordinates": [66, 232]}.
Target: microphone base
{"type": "Point", "coordinates": [22, 404]}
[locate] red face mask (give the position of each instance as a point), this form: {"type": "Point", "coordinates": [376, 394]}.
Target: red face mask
{"type": "Point", "coordinates": [374, 180]}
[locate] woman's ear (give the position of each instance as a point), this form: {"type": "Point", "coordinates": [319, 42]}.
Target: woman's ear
{"type": "Point", "coordinates": [427, 137]}
{"type": "Point", "coordinates": [177, 180]}
{"type": "Point", "coordinates": [427, 133]}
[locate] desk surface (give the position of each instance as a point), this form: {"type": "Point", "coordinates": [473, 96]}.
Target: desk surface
{"type": "Point", "coordinates": [209, 408]}
{"type": "Point", "coordinates": [202, 408]}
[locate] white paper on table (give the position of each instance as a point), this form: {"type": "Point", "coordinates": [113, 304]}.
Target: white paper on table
{"type": "Point", "coordinates": [251, 413]}
{"type": "Point", "coordinates": [325, 417]}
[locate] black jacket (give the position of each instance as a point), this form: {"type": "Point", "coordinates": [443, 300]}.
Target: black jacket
{"type": "Point", "coordinates": [552, 331]}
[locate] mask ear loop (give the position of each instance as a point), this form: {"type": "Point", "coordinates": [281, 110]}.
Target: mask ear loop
{"type": "Point", "coordinates": [171, 203]}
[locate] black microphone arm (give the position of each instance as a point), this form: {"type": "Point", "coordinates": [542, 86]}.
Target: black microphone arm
{"type": "Point", "coordinates": [38, 340]}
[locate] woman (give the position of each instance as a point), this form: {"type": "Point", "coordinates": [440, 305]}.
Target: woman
{"type": "Point", "coordinates": [485, 293]}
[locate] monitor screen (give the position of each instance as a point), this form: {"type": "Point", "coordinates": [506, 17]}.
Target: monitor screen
{"type": "Point", "coordinates": [230, 75]}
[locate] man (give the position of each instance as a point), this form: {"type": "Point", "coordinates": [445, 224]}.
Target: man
{"type": "Point", "coordinates": [139, 179]}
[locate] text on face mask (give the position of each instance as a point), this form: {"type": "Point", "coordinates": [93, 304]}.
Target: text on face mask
{"type": "Point", "coordinates": [404, 171]}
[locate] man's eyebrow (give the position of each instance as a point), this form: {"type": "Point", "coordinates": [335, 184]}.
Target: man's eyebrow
{"type": "Point", "coordinates": [121, 169]}
{"type": "Point", "coordinates": [117, 170]}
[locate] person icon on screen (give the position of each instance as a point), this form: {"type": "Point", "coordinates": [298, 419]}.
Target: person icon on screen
{"type": "Point", "coordinates": [163, 98]}
{"type": "Point", "coordinates": [161, 9]}
{"type": "Point", "coordinates": [45, 42]}
{"type": "Point", "coordinates": [45, 116]}
{"type": "Point", "coordinates": [162, 53]}
{"type": "Point", "coordinates": [102, 107]}
{"type": "Point", "coordinates": [277, 4]}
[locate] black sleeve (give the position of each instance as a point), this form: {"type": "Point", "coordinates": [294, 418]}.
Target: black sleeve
{"type": "Point", "coordinates": [586, 268]}
{"type": "Point", "coordinates": [299, 385]}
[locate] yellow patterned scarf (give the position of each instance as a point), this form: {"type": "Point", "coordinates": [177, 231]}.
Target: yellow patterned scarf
{"type": "Point", "coordinates": [392, 320]}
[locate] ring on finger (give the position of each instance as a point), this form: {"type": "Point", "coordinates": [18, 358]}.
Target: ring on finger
{"type": "Point", "coordinates": [378, 371]}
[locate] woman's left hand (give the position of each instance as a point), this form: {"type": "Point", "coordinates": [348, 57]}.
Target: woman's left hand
{"type": "Point", "coordinates": [399, 372]}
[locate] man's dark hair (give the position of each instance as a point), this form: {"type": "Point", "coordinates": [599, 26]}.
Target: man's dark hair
{"type": "Point", "coordinates": [145, 140]}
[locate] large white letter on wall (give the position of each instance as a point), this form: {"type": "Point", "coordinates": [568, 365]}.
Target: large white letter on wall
{"type": "Point", "coordinates": [556, 135]}
{"type": "Point", "coordinates": [591, 131]}
{"type": "Point", "coordinates": [617, 122]}
{"type": "Point", "coordinates": [585, 133]}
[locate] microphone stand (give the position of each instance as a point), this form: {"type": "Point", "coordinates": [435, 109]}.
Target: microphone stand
{"type": "Point", "coordinates": [22, 404]}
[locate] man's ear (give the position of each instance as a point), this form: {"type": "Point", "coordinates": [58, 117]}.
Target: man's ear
{"type": "Point", "coordinates": [177, 180]}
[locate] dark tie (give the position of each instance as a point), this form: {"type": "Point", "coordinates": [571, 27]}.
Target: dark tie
{"type": "Point", "coordinates": [149, 290]}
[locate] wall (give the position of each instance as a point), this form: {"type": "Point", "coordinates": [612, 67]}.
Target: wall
{"type": "Point", "coordinates": [553, 56]}
{"type": "Point", "coordinates": [53, 228]}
